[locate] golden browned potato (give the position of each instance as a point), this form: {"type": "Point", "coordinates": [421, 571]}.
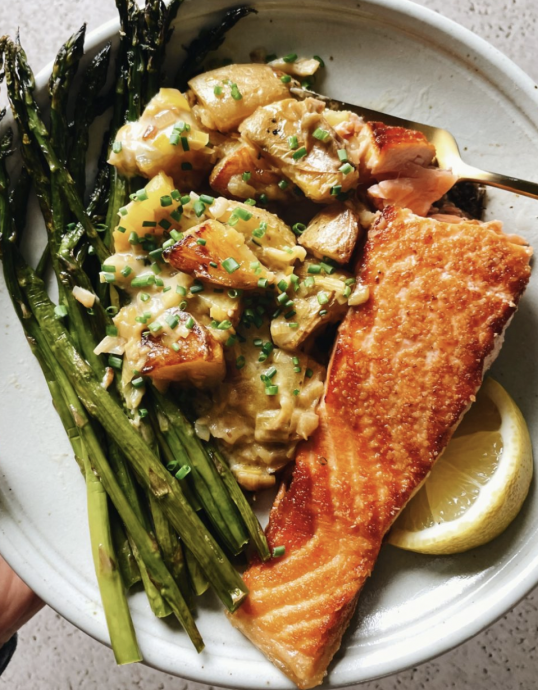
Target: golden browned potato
{"type": "Point", "coordinates": [218, 254]}
{"type": "Point", "coordinates": [296, 138]}
{"type": "Point", "coordinates": [227, 95]}
{"type": "Point", "coordinates": [333, 232]}
{"type": "Point", "coordinates": [186, 352]}
{"type": "Point", "coordinates": [243, 173]}
{"type": "Point", "coordinates": [168, 138]}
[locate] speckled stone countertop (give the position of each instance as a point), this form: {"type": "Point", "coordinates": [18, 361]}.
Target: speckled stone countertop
{"type": "Point", "coordinates": [52, 654]}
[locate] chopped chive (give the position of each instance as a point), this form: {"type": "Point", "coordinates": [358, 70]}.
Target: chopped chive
{"type": "Point", "coordinates": [186, 199]}
{"type": "Point", "coordinates": [309, 281]}
{"type": "Point", "coordinates": [243, 213]}
{"type": "Point", "coordinates": [206, 199]}
{"type": "Point", "coordinates": [300, 153]}
{"type": "Point", "coordinates": [263, 356]}
{"type": "Point", "coordinates": [263, 283]}
{"type": "Point", "coordinates": [268, 347]}
{"type": "Point", "coordinates": [270, 372]}
{"type": "Point", "coordinates": [115, 362]}
{"type": "Point", "coordinates": [294, 281]}
{"type": "Point", "coordinates": [156, 254]}
{"type": "Point", "coordinates": [336, 190]}
{"type": "Point", "coordinates": [246, 176]}
{"type": "Point", "coordinates": [234, 293]}
{"type": "Point", "coordinates": [165, 224]}
{"type": "Point", "coordinates": [342, 155]}
{"type": "Point", "coordinates": [176, 215]}
{"type": "Point", "coordinates": [224, 325]}
{"type": "Point", "coordinates": [321, 63]}
{"type": "Point", "coordinates": [155, 268]}
{"type": "Point", "coordinates": [236, 94]}
{"type": "Point", "coordinates": [256, 267]}
{"type": "Point", "coordinates": [176, 196]}
{"type": "Point", "coordinates": [183, 305]}
{"type": "Point", "coordinates": [279, 551]}
{"type": "Point", "coordinates": [185, 144]}
{"type": "Point", "coordinates": [189, 323]}
{"type": "Point", "coordinates": [258, 342]}
{"type": "Point", "coordinates": [138, 382]}
{"type": "Point", "coordinates": [201, 241]}
{"type": "Point", "coordinates": [282, 298]}
{"type": "Point", "coordinates": [174, 465]}
{"type": "Point", "coordinates": [186, 166]}
{"type": "Point", "coordinates": [293, 142]}
{"type": "Point", "coordinates": [283, 184]}
{"type": "Point", "coordinates": [182, 472]}
{"type": "Point", "coordinates": [133, 238]}
{"type": "Point", "coordinates": [117, 147]}
{"type": "Point", "coordinates": [217, 90]}
{"type": "Point", "coordinates": [181, 290]}
{"type": "Point", "coordinates": [321, 134]}
{"type": "Point", "coordinates": [327, 268]}
{"type": "Point", "coordinates": [172, 320]}
{"type": "Point", "coordinates": [123, 211]}
{"type": "Point", "coordinates": [323, 298]}
{"type": "Point", "coordinates": [126, 271]}
{"type": "Point", "coordinates": [289, 314]}
{"type": "Point", "coordinates": [347, 292]}
{"type": "Point", "coordinates": [309, 373]}
{"type": "Point", "coordinates": [282, 285]}
{"type": "Point", "coordinates": [196, 288]}
{"type": "Point", "coordinates": [263, 199]}
{"type": "Point", "coordinates": [298, 228]}
{"type": "Point", "coordinates": [108, 268]}
{"type": "Point", "coordinates": [143, 281]}
{"type": "Point", "coordinates": [240, 362]}
{"type": "Point", "coordinates": [346, 168]}
{"type": "Point", "coordinates": [141, 195]}
{"type": "Point", "coordinates": [109, 277]}
{"type": "Point", "coordinates": [291, 57]}
{"type": "Point", "coordinates": [285, 78]}
{"type": "Point", "coordinates": [323, 312]}
{"type": "Point", "coordinates": [295, 360]}
{"type": "Point", "coordinates": [112, 310]}
{"type": "Point", "coordinates": [231, 341]}
{"type": "Point", "coordinates": [230, 265]}
{"type": "Point", "coordinates": [211, 263]}
{"type": "Point", "coordinates": [175, 347]}
{"type": "Point", "coordinates": [314, 268]}
{"type": "Point", "coordinates": [174, 138]}
{"type": "Point", "coordinates": [155, 327]}
{"type": "Point", "coordinates": [271, 390]}
{"type": "Point", "coordinates": [199, 207]}
{"type": "Point", "coordinates": [177, 236]}
{"type": "Point", "coordinates": [250, 202]}
{"type": "Point", "coordinates": [144, 296]}
{"type": "Point", "coordinates": [168, 243]}
{"type": "Point", "coordinates": [350, 281]}
{"type": "Point", "coordinates": [167, 288]}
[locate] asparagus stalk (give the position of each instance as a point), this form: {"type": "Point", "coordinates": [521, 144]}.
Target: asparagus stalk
{"type": "Point", "coordinates": [251, 521]}
{"type": "Point", "coordinates": [127, 564]}
{"type": "Point", "coordinates": [207, 41]}
{"type": "Point", "coordinates": [60, 83]}
{"type": "Point", "coordinates": [114, 600]}
{"type": "Point", "coordinates": [158, 19]}
{"type": "Point", "coordinates": [86, 109]}
{"type": "Point", "coordinates": [39, 132]}
{"type": "Point", "coordinates": [208, 486]}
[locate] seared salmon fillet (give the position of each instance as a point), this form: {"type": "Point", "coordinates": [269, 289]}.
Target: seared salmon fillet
{"type": "Point", "coordinates": [405, 367]}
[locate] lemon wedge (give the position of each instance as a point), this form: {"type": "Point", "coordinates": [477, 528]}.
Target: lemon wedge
{"type": "Point", "coordinates": [479, 484]}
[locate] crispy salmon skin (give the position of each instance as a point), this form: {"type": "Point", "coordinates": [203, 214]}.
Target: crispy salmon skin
{"type": "Point", "coordinates": [405, 367]}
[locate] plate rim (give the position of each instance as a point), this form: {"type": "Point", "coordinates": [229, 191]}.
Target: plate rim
{"type": "Point", "coordinates": [211, 674]}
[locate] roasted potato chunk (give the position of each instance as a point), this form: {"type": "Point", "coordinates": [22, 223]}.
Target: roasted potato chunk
{"type": "Point", "coordinates": [218, 254]}
{"type": "Point", "coordinates": [147, 216]}
{"type": "Point", "coordinates": [269, 238]}
{"type": "Point", "coordinates": [186, 351]}
{"type": "Point", "coordinates": [226, 96]}
{"type": "Point", "coordinates": [333, 232]}
{"type": "Point", "coordinates": [318, 300]}
{"type": "Point", "coordinates": [296, 138]}
{"type": "Point", "coordinates": [166, 138]}
{"type": "Point", "coordinates": [243, 173]}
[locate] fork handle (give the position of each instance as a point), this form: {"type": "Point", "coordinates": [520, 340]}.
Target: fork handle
{"type": "Point", "coordinates": [511, 184]}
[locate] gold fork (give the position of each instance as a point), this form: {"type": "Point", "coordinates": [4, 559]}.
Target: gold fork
{"type": "Point", "coordinates": [447, 151]}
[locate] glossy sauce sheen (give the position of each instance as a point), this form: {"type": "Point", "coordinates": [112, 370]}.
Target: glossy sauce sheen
{"type": "Point", "coordinates": [405, 367]}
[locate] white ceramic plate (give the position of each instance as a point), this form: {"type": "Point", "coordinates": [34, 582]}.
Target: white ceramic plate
{"type": "Point", "coordinates": [386, 54]}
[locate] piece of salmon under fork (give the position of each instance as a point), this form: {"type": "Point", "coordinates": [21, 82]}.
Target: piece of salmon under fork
{"type": "Point", "coordinates": [406, 366]}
